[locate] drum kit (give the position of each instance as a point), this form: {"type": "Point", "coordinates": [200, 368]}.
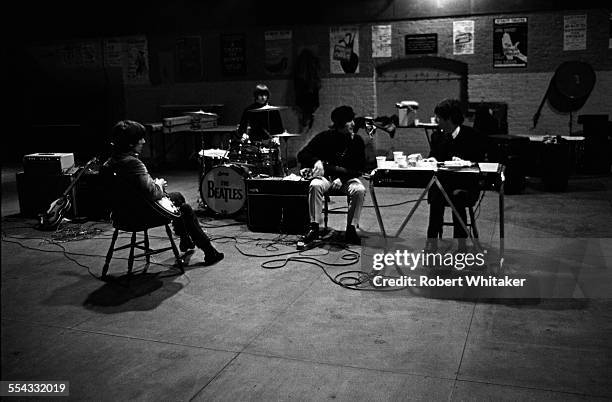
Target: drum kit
{"type": "Point", "coordinates": [224, 172]}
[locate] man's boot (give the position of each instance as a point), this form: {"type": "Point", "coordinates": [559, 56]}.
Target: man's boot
{"type": "Point", "coordinates": [312, 233]}
{"type": "Point", "coordinates": [351, 236]}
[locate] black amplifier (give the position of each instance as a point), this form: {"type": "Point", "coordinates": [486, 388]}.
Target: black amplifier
{"type": "Point", "coordinates": [276, 205]}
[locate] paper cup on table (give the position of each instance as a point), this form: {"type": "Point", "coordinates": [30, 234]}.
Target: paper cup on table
{"type": "Point", "coordinates": [433, 120]}
{"type": "Point", "coordinates": [416, 122]}
{"type": "Point", "coordinates": [380, 161]}
{"type": "Point", "coordinates": [401, 161]}
{"type": "Point", "coordinates": [397, 154]}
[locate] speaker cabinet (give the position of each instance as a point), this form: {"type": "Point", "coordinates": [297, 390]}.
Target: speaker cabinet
{"type": "Point", "coordinates": [277, 206]}
{"type": "Point", "coordinates": [37, 192]}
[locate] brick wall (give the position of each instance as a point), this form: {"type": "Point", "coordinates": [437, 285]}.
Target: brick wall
{"type": "Point", "coordinates": [522, 89]}
{"type": "Point", "coordinates": [524, 92]}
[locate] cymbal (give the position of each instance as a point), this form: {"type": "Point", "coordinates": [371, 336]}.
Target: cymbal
{"type": "Point", "coordinates": [286, 135]}
{"type": "Point", "coordinates": [268, 108]}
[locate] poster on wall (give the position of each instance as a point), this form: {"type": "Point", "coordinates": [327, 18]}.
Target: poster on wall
{"type": "Point", "coordinates": [233, 54]}
{"type": "Point", "coordinates": [188, 56]}
{"type": "Point", "coordinates": [344, 50]}
{"type": "Point", "coordinates": [381, 41]}
{"type": "Point", "coordinates": [510, 42]}
{"type": "Point", "coordinates": [574, 32]}
{"type": "Point", "coordinates": [610, 33]}
{"type": "Point", "coordinates": [131, 54]}
{"type": "Point", "coordinates": [278, 50]}
{"type": "Point", "coordinates": [463, 37]}
{"type": "Point", "coordinates": [68, 55]}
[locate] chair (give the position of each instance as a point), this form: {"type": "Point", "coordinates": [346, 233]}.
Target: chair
{"type": "Point", "coordinates": [326, 200]}
{"type": "Point", "coordinates": [136, 214]}
{"type": "Point", "coordinates": [471, 225]}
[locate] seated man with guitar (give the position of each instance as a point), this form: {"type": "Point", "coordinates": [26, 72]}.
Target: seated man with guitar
{"type": "Point", "coordinates": [132, 175]}
{"type": "Point", "coordinates": [335, 159]}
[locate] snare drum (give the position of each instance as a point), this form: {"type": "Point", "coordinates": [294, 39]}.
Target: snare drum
{"type": "Point", "coordinates": [212, 157]}
{"type": "Point", "coordinates": [223, 189]}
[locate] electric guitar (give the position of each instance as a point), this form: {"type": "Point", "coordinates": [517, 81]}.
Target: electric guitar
{"type": "Point", "coordinates": [50, 219]}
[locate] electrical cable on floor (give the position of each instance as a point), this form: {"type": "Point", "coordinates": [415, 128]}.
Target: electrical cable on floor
{"type": "Point", "coordinates": [352, 279]}
{"type": "Point", "coordinates": [67, 254]}
{"type": "Point", "coordinates": [372, 206]}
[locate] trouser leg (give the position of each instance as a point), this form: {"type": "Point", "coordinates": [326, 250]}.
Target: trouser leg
{"type": "Point", "coordinates": [460, 200]}
{"type": "Point", "coordinates": [316, 191]}
{"type": "Point", "coordinates": [436, 219]}
{"type": "Point", "coordinates": [356, 193]}
{"type": "Point", "coordinates": [195, 231]}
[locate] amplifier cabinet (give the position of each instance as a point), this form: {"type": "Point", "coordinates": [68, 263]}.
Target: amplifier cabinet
{"type": "Point", "coordinates": [37, 192]}
{"type": "Point", "coordinates": [48, 163]}
{"type": "Point", "coordinates": [276, 205]}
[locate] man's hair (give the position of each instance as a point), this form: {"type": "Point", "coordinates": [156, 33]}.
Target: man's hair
{"type": "Point", "coordinates": [126, 134]}
{"type": "Point", "coordinates": [341, 115]}
{"type": "Point", "coordinates": [261, 89]}
{"type": "Point", "coordinates": [450, 109]}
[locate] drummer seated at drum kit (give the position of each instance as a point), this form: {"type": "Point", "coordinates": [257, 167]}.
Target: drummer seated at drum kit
{"type": "Point", "coordinates": [128, 140]}
{"type": "Point", "coordinates": [260, 126]}
{"type": "Point", "coordinates": [335, 159]}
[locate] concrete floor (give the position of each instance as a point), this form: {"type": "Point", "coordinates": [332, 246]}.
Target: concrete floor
{"type": "Point", "coordinates": [237, 331]}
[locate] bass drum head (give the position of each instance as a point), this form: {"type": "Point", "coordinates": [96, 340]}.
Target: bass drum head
{"type": "Point", "coordinates": [223, 189]}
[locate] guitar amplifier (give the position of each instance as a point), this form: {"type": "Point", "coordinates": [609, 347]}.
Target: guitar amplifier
{"type": "Point", "coordinates": [47, 163]}
{"type": "Point", "coordinates": [276, 205]}
{"type": "Point", "coordinates": [37, 192]}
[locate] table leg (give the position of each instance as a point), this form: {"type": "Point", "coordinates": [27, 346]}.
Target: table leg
{"type": "Point", "coordinates": [377, 210]}
{"type": "Point", "coordinates": [501, 227]}
{"type": "Point", "coordinates": [415, 206]}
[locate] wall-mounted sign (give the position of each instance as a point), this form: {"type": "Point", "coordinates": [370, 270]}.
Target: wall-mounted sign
{"type": "Point", "coordinates": [421, 44]}
{"type": "Point", "coordinates": [510, 42]}
{"type": "Point", "coordinates": [463, 37]}
{"type": "Point", "coordinates": [277, 58]}
{"type": "Point", "coordinates": [233, 54]}
{"type": "Point", "coordinates": [574, 32]}
{"type": "Point", "coordinates": [381, 41]}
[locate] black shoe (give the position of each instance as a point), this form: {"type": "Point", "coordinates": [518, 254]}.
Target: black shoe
{"type": "Point", "coordinates": [186, 244]}
{"type": "Point", "coordinates": [351, 236]}
{"type": "Point", "coordinates": [312, 234]}
{"type": "Point", "coordinates": [213, 257]}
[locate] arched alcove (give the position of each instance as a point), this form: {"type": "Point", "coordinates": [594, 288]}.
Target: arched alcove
{"type": "Point", "coordinates": [426, 80]}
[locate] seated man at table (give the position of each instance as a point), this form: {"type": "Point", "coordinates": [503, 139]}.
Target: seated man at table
{"type": "Point", "coordinates": [133, 178]}
{"type": "Point", "coordinates": [452, 141]}
{"type": "Point", "coordinates": [335, 158]}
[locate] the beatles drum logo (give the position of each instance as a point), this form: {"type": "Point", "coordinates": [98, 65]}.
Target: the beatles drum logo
{"type": "Point", "coordinates": [223, 189]}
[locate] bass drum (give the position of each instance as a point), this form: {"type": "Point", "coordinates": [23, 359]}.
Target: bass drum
{"type": "Point", "coordinates": [223, 189]}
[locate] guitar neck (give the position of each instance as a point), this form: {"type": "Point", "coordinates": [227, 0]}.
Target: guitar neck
{"type": "Point", "coordinates": [78, 176]}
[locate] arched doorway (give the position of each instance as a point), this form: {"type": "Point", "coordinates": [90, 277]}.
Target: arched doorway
{"type": "Point", "coordinates": [426, 80]}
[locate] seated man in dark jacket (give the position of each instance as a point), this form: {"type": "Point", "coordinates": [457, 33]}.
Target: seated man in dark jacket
{"type": "Point", "coordinates": [452, 141]}
{"type": "Point", "coordinates": [260, 126]}
{"type": "Point", "coordinates": [132, 176]}
{"type": "Point", "coordinates": [337, 159]}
